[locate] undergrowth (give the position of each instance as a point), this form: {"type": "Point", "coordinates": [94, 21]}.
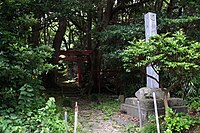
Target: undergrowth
{"type": "Point", "coordinates": [107, 105]}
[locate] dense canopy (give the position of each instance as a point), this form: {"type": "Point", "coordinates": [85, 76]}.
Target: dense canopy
{"type": "Point", "coordinates": [33, 32]}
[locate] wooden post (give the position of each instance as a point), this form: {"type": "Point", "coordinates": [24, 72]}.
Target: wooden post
{"type": "Point", "coordinates": [79, 73]}
{"type": "Point", "coordinates": [156, 112]}
{"type": "Point", "coordinates": [139, 113]}
{"type": "Point", "coordinates": [75, 117]}
{"type": "Point", "coordinates": [99, 81]}
{"type": "Point", "coordinates": [66, 121]}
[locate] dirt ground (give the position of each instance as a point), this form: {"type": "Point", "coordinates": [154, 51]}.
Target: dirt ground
{"type": "Point", "coordinates": [95, 121]}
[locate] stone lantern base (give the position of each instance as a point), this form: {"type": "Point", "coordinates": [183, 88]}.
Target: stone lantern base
{"type": "Point", "coordinates": [147, 106]}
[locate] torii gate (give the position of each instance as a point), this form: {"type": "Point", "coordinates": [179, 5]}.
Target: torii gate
{"type": "Point", "coordinates": [72, 56]}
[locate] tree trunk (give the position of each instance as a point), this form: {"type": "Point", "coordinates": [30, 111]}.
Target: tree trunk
{"type": "Point", "coordinates": [59, 37]}
{"type": "Point", "coordinates": [165, 100]}
{"type": "Point", "coordinates": [52, 75]}
{"type": "Point", "coordinates": [170, 8]}
{"type": "Point", "coordinates": [103, 23]}
{"type": "Point", "coordinates": [34, 38]}
{"type": "Point", "coordinates": [108, 13]}
{"type": "Point", "coordinates": [93, 63]}
{"type": "Point", "coordinates": [158, 5]}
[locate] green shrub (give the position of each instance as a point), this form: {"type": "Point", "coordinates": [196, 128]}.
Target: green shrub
{"type": "Point", "coordinates": [43, 120]}
{"type": "Point", "coordinates": [178, 122]}
{"type": "Point", "coordinates": [193, 103]}
{"type": "Point", "coordinates": [108, 105]}
{"type": "Point", "coordinates": [67, 103]}
{"type": "Point", "coordinates": [150, 128]}
{"type": "Point", "coordinates": [132, 128]}
{"type": "Point", "coordinates": [22, 102]}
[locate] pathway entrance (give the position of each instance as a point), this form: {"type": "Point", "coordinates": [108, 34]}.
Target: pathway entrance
{"type": "Point", "coordinates": [94, 120]}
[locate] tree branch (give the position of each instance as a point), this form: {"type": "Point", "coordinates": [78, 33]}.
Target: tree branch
{"type": "Point", "coordinates": [154, 69]}
{"type": "Point", "coordinates": [133, 6]}
{"type": "Point", "coordinates": [76, 23]}
{"type": "Point", "coordinates": [174, 85]}
{"type": "Point", "coordinates": [153, 78]}
{"type": "Point", "coordinates": [150, 76]}
{"type": "Point", "coordinates": [166, 2]}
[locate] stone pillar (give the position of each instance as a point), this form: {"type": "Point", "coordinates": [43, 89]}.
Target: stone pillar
{"type": "Point", "coordinates": [151, 29]}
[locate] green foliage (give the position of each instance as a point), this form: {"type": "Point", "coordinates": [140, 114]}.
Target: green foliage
{"type": "Point", "coordinates": [21, 69]}
{"type": "Point", "coordinates": [45, 119]}
{"type": "Point", "coordinates": [116, 37]}
{"type": "Point", "coordinates": [50, 118]}
{"type": "Point", "coordinates": [192, 85]}
{"type": "Point", "coordinates": [173, 24]}
{"type": "Point", "coordinates": [121, 32]}
{"type": "Point", "coordinates": [171, 53]}
{"type": "Point", "coordinates": [168, 52]}
{"type": "Point", "coordinates": [149, 128]}
{"type": "Point", "coordinates": [193, 103]}
{"type": "Point", "coordinates": [178, 122]}
{"type": "Point", "coordinates": [29, 99]}
{"type": "Point", "coordinates": [108, 105]}
{"type": "Point", "coordinates": [21, 99]}
{"type": "Point", "coordinates": [132, 128]}
{"type": "Point", "coordinates": [187, 19]}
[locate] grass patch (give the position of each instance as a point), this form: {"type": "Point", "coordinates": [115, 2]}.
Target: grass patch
{"type": "Point", "coordinates": [107, 105]}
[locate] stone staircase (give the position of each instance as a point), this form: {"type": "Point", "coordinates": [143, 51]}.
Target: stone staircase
{"type": "Point", "coordinates": [66, 88]}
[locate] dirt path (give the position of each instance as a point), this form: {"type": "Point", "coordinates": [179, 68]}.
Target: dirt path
{"type": "Point", "coordinates": [95, 121]}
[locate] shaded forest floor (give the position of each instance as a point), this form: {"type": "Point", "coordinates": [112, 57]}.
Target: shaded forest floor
{"type": "Point", "coordinates": [103, 116]}
{"type": "Point", "coordinates": [98, 113]}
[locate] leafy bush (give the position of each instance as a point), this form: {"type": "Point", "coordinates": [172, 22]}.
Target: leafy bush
{"type": "Point", "coordinates": [150, 128]}
{"type": "Point", "coordinates": [21, 65]}
{"type": "Point", "coordinates": [107, 105]}
{"type": "Point", "coordinates": [178, 122]}
{"type": "Point", "coordinates": [170, 53]}
{"type": "Point", "coordinates": [21, 98]}
{"type": "Point", "coordinates": [193, 103]}
{"type": "Point", "coordinates": [130, 128]}
{"type": "Point", "coordinates": [43, 120]}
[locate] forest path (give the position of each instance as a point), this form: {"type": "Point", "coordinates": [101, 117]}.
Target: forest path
{"type": "Point", "coordinates": [94, 120]}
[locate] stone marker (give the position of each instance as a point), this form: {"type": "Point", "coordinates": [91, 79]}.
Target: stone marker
{"type": "Point", "coordinates": [121, 98]}
{"type": "Point", "coordinates": [145, 95]}
{"type": "Point", "coordinates": [150, 30]}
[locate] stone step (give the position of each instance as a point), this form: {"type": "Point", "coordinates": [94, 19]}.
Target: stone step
{"type": "Point", "coordinates": [66, 91]}
{"type": "Point", "coordinates": [67, 94]}
{"type": "Point", "coordinates": [149, 103]}
{"type": "Point", "coordinates": [147, 106]}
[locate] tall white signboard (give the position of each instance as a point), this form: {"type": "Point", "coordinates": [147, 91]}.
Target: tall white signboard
{"type": "Point", "coordinates": [151, 29]}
